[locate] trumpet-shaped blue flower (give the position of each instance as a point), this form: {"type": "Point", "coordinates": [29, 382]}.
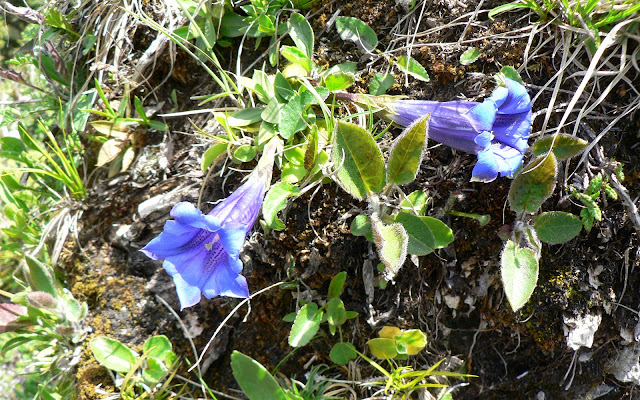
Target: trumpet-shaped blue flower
{"type": "Point", "coordinates": [496, 130]}
{"type": "Point", "coordinates": [201, 252]}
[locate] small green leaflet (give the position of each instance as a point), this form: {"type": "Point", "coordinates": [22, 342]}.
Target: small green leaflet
{"type": "Point", "coordinates": [557, 227]}
{"type": "Point", "coordinates": [534, 184]}
{"type": "Point", "coordinates": [306, 325]}
{"type": "Point", "coordinates": [275, 201]}
{"type": "Point", "coordinates": [410, 66]}
{"type": "Point", "coordinates": [354, 30]}
{"type": "Point", "coordinates": [470, 56]}
{"type": "Point", "coordinates": [392, 242]}
{"type": "Point", "coordinates": [519, 270]}
{"type": "Point", "coordinates": [362, 163]}
{"type": "Point", "coordinates": [406, 152]}
{"type": "Point", "coordinates": [563, 146]}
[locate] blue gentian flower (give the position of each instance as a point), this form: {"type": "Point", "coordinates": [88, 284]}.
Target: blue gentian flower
{"type": "Point", "coordinates": [201, 252]}
{"type": "Point", "coordinates": [496, 130]}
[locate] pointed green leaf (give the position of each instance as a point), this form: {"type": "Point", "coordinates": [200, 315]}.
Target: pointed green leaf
{"type": "Point", "coordinates": [511, 73]}
{"type": "Point", "coordinates": [112, 354]}
{"type": "Point", "coordinates": [442, 234]}
{"type": "Point", "coordinates": [557, 227]}
{"type": "Point", "coordinates": [212, 154]}
{"type": "Point", "coordinates": [360, 158]}
{"type": "Point", "coordinates": [533, 185]}
{"type": "Point", "coordinates": [244, 117]}
{"type": "Point", "coordinates": [421, 239]}
{"type": "Point", "coordinates": [380, 83]}
{"type": "Point", "coordinates": [519, 270]}
{"type": "Point", "coordinates": [297, 56]}
{"type": "Point", "coordinates": [406, 152]}
{"type": "Point", "coordinates": [283, 87]}
{"type": "Point", "coordinates": [412, 67]}
{"type": "Point", "coordinates": [301, 33]}
{"type": "Point", "coordinates": [291, 120]}
{"type": "Point", "coordinates": [564, 146]}
{"type": "Point", "coordinates": [392, 242]}
{"type": "Point", "coordinates": [306, 325]}
{"type": "Point", "coordinates": [342, 353]}
{"type": "Point", "coordinates": [339, 81]}
{"type": "Point", "coordinates": [469, 56]}
{"type": "Point", "coordinates": [40, 276]}
{"type": "Point", "coordinates": [254, 379]}
{"type": "Point", "coordinates": [336, 285]}
{"type": "Point", "coordinates": [353, 29]}
{"type": "Point", "coordinates": [275, 201]}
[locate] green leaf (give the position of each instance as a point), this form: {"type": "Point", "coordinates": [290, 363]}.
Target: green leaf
{"type": "Point", "coordinates": [244, 117]}
{"type": "Point", "coordinates": [336, 313]}
{"type": "Point", "coordinates": [336, 285]}
{"type": "Point", "coordinates": [392, 242]}
{"type": "Point", "coordinates": [271, 112]}
{"type": "Point", "coordinates": [342, 353]}
{"type": "Point", "coordinates": [157, 347]}
{"type": "Point", "coordinates": [415, 203]}
{"type": "Point", "coordinates": [414, 340]}
{"type": "Point", "coordinates": [301, 33]}
{"type": "Point", "coordinates": [361, 225]}
{"type": "Point", "coordinates": [154, 371]}
{"type": "Point", "coordinates": [275, 201]}
{"type": "Point", "coordinates": [441, 232]}
{"type": "Point", "coordinates": [354, 30]}
{"type": "Point", "coordinates": [244, 153]}
{"type": "Point", "coordinates": [289, 317]}
{"type": "Point", "coordinates": [212, 154]}
{"type": "Point", "coordinates": [421, 239]}
{"type": "Point", "coordinates": [406, 152]}
{"type": "Point", "coordinates": [506, 7]}
{"type": "Point", "coordinates": [360, 158]}
{"type": "Point", "coordinates": [297, 56]}
{"type": "Point", "coordinates": [345, 67]}
{"type": "Point", "coordinates": [557, 227]}
{"type": "Point", "coordinates": [533, 185]}
{"type": "Point", "coordinates": [291, 120]}
{"type": "Point", "coordinates": [380, 83]}
{"type": "Point", "coordinates": [283, 87]}
{"type": "Point", "coordinates": [112, 354]}
{"type": "Point", "coordinates": [519, 270]}
{"type": "Point", "coordinates": [254, 379]}
{"type": "Point", "coordinates": [382, 347]}
{"type": "Point", "coordinates": [40, 276]}
{"type": "Point", "coordinates": [470, 56]}
{"type": "Point", "coordinates": [306, 325]}
{"type": "Point", "coordinates": [410, 66]}
{"type": "Point", "coordinates": [511, 73]}
{"type": "Point", "coordinates": [339, 81]}
{"type": "Point", "coordinates": [564, 146]}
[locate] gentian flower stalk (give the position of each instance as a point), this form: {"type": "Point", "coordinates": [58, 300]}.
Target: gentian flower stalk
{"type": "Point", "coordinates": [496, 129]}
{"type": "Point", "coordinates": [201, 251]}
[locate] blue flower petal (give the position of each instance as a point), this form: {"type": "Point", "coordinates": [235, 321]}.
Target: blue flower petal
{"type": "Point", "coordinates": [497, 158]}
{"type": "Point", "coordinates": [232, 239]}
{"type": "Point", "coordinates": [226, 282]}
{"type": "Point", "coordinates": [518, 100]}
